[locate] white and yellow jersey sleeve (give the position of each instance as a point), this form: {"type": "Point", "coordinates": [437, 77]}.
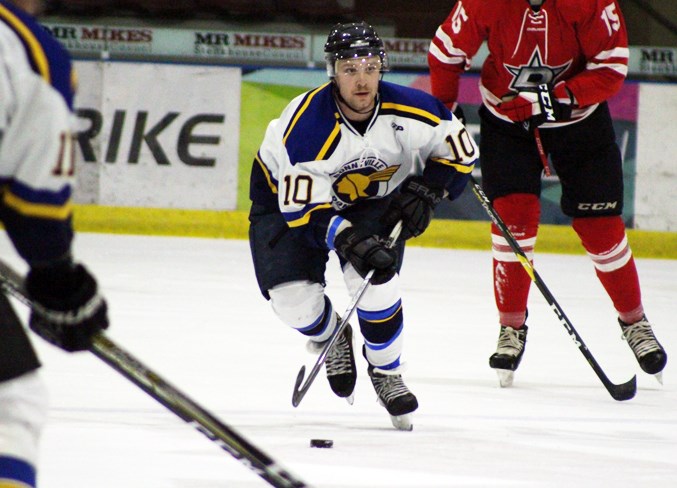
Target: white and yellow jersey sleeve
{"type": "Point", "coordinates": [36, 149]}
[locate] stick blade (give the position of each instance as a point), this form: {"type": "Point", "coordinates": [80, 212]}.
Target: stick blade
{"type": "Point", "coordinates": [297, 396]}
{"type": "Point", "coordinates": [625, 391]}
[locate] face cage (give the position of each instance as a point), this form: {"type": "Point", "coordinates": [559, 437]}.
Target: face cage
{"type": "Point", "coordinates": [333, 58]}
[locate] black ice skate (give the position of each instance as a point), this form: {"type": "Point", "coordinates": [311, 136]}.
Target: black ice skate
{"type": "Point", "coordinates": [506, 359]}
{"type": "Point", "coordinates": [649, 353]}
{"type": "Point", "coordinates": [394, 395]}
{"type": "Point", "coordinates": [340, 364]}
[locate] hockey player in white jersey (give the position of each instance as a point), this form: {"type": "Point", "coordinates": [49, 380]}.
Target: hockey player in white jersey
{"type": "Point", "coordinates": [36, 172]}
{"type": "Point", "coordinates": [340, 167]}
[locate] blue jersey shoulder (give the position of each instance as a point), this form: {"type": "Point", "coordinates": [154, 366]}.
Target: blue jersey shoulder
{"type": "Point", "coordinates": [412, 103]}
{"type": "Point", "coordinates": [313, 131]}
{"type": "Point", "coordinates": [47, 57]}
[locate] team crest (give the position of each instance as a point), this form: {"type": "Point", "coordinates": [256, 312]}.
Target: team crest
{"type": "Point", "coordinates": [361, 178]}
{"type": "Point", "coordinates": [528, 77]}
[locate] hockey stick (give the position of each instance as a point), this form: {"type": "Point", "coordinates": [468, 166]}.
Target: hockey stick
{"type": "Point", "coordinates": [300, 389]}
{"type": "Point", "coordinates": [541, 151]}
{"type": "Point", "coordinates": [171, 398]}
{"type": "Point", "coordinates": [620, 392]}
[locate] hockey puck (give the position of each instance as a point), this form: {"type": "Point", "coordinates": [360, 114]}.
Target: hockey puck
{"type": "Point", "coordinates": [322, 443]}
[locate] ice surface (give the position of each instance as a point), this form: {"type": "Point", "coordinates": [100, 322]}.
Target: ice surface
{"type": "Point", "coordinates": [190, 310]}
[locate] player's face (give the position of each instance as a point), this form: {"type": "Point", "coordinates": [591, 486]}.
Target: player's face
{"type": "Point", "coordinates": [357, 80]}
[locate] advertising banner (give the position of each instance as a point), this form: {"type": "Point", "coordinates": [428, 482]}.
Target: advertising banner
{"type": "Point", "coordinates": [653, 60]}
{"type": "Point", "coordinates": [199, 45]}
{"type": "Point", "coordinates": [93, 39]}
{"type": "Point", "coordinates": [656, 199]}
{"type": "Point", "coordinates": [154, 135]}
{"type": "Point", "coordinates": [262, 47]}
{"type": "Point", "coordinates": [252, 47]}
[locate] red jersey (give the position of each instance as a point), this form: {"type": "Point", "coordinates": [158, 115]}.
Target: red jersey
{"type": "Point", "coordinates": [582, 43]}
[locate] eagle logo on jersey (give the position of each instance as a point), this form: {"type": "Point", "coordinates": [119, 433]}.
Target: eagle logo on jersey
{"type": "Point", "coordinates": [528, 77]}
{"type": "Point", "coordinates": [361, 178]}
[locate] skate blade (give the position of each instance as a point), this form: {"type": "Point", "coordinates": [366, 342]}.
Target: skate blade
{"type": "Point", "coordinates": [350, 398]}
{"type": "Point", "coordinates": [505, 377]}
{"type": "Point", "coordinates": [402, 422]}
{"type": "Point", "coordinates": [659, 377]}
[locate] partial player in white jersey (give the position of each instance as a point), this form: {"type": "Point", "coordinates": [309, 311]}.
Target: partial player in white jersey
{"type": "Point", "coordinates": [36, 173]}
{"type": "Point", "coordinates": [341, 166]}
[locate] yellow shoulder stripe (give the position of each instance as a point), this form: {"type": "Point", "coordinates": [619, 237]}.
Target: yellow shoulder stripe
{"type": "Point", "coordinates": [328, 143]}
{"type": "Point", "coordinates": [301, 110]}
{"type": "Point", "coordinates": [34, 45]}
{"type": "Point", "coordinates": [411, 110]}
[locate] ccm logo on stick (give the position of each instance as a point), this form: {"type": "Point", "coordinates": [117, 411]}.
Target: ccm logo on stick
{"type": "Point", "coordinates": [546, 103]}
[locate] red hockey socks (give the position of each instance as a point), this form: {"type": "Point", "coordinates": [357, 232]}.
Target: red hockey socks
{"type": "Point", "coordinates": [605, 241]}
{"type": "Point", "coordinates": [521, 213]}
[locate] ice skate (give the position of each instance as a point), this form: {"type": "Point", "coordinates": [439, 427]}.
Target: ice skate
{"type": "Point", "coordinates": [394, 395]}
{"type": "Point", "coordinates": [340, 364]}
{"type": "Point", "coordinates": [506, 359]}
{"type": "Point", "coordinates": [649, 353]}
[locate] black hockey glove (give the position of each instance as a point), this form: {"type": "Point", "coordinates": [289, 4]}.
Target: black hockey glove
{"type": "Point", "coordinates": [367, 252]}
{"type": "Point", "coordinates": [68, 308]}
{"type": "Point", "coordinates": [414, 206]}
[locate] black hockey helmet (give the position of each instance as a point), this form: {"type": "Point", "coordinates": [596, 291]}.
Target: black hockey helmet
{"type": "Point", "coordinates": [353, 40]}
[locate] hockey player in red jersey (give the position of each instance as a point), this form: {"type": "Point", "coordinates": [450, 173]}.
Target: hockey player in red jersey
{"type": "Point", "coordinates": [552, 65]}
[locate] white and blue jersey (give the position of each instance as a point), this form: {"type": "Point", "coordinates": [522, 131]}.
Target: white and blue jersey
{"type": "Point", "coordinates": [36, 151]}
{"type": "Point", "coordinates": [313, 163]}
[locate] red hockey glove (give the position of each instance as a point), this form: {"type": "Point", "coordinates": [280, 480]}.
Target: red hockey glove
{"type": "Point", "coordinates": [546, 104]}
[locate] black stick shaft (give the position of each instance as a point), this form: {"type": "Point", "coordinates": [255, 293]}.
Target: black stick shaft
{"type": "Point", "coordinates": [301, 387]}
{"type": "Point", "coordinates": [620, 392]}
{"type": "Point", "coordinates": [172, 398]}
{"type": "Point", "coordinates": [193, 414]}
